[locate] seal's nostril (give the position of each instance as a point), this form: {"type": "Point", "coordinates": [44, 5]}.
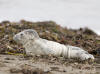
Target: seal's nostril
{"type": "Point", "coordinates": [14, 37]}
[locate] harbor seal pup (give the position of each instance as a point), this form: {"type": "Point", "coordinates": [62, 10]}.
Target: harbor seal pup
{"type": "Point", "coordinates": [35, 45]}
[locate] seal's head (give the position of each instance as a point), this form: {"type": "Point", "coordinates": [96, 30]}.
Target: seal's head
{"type": "Point", "coordinates": [25, 36]}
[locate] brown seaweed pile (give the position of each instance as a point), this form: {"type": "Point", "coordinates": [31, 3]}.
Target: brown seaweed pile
{"type": "Point", "coordinates": [83, 37]}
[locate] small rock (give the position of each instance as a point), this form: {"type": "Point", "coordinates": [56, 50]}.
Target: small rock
{"type": "Point", "coordinates": [15, 70]}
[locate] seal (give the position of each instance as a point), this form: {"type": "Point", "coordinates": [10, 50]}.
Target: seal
{"type": "Point", "coordinates": [35, 45]}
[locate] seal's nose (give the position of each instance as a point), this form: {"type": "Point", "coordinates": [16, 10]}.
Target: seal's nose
{"type": "Point", "coordinates": [15, 38]}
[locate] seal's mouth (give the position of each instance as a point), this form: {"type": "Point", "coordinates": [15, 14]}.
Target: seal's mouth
{"type": "Point", "coordinates": [16, 39]}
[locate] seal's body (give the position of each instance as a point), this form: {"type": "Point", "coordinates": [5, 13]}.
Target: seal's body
{"type": "Point", "coordinates": [37, 46]}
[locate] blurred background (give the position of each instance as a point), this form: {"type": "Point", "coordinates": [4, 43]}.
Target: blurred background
{"type": "Point", "coordinates": [70, 13]}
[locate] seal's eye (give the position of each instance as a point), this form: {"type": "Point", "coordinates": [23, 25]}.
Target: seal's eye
{"type": "Point", "coordinates": [21, 34]}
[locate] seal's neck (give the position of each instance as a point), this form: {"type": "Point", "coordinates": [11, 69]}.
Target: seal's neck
{"type": "Point", "coordinates": [29, 42]}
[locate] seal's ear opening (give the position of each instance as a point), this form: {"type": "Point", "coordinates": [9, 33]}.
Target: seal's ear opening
{"type": "Point", "coordinates": [33, 33]}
